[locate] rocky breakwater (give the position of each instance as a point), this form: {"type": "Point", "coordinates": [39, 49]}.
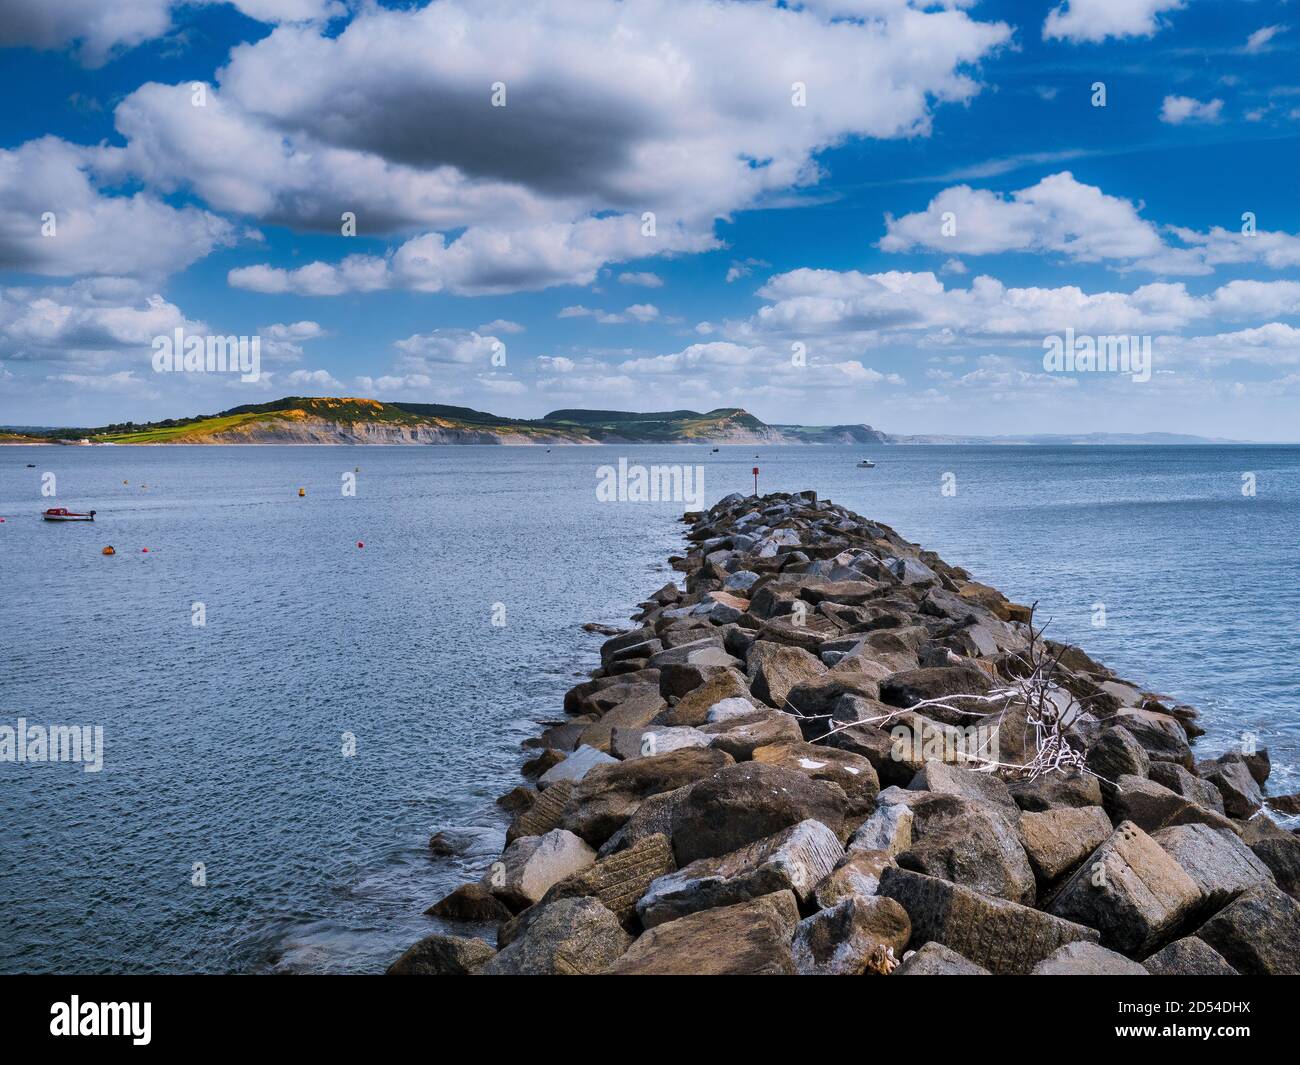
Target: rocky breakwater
{"type": "Point", "coordinates": [832, 753]}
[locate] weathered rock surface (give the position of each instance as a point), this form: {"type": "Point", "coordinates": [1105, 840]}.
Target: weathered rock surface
{"type": "Point", "coordinates": [852, 772]}
{"type": "Point", "coordinates": [1258, 934]}
{"type": "Point", "coordinates": [888, 829]}
{"type": "Point", "coordinates": [1057, 840]}
{"type": "Point", "coordinates": [796, 859]}
{"type": "Point", "coordinates": [1087, 959]}
{"type": "Point", "coordinates": [440, 955]}
{"type": "Point", "coordinates": [470, 902]}
{"type": "Point", "coordinates": [1218, 862]}
{"type": "Point", "coordinates": [934, 959]}
{"type": "Point", "coordinates": [1152, 806]}
{"type": "Point", "coordinates": [774, 669]}
{"type": "Point", "coordinates": [531, 864]}
{"type": "Point", "coordinates": [610, 794]}
{"type": "Point", "coordinates": [1188, 957]}
{"type": "Point", "coordinates": [998, 935]}
{"type": "Point", "coordinates": [1116, 754]}
{"type": "Point", "coordinates": [970, 843]}
{"type": "Point", "coordinates": [1130, 890]}
{"type": "Point", "coordinates": [568, 937]}
{"type": "Point", "coordinates": [747, 939]}
{"type": "Point", "coordinates": [543, 815]}
{"type": "Point", "coordinates": [856, 874]}
{"type": "Point", "coordinates": [748, 801]}
{"type": "Point", "coordinates": [741, 737]}
{"type": "Point", "coordinates": [944, 779]}
{"type": "Point", "coordinates": [857, 934]}
{"type": "Point", "coordinates": [575, 767]}
{"type": "Point", "coordinates": [621, 879]}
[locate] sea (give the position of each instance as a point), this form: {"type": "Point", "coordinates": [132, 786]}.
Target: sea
{"type": "Point", "coordinates": [305, 661]}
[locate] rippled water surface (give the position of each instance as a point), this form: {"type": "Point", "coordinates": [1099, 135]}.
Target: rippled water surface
{"type": "Point", "coordinates": [224, 742]}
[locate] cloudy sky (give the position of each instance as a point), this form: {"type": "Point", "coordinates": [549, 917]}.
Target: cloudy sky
{"type": "Point", "coordinates": [829, 211]}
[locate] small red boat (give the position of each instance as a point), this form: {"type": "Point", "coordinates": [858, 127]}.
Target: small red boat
{"type": "Point", "coordinates": [63, 514]}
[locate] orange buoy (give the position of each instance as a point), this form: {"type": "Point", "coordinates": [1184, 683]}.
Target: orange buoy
{"type": "Point", "coordinates": [108, 551]}
{"type": "Point", "coordinates": [301, 492]}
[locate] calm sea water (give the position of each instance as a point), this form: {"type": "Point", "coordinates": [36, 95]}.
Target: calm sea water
{"type": "Point", "coordinates": [223, 743]}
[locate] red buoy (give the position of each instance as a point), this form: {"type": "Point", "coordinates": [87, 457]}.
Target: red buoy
{"type": "Point", "coordinates": [360, 544]}
{"type": "Point", "coordinates": [144, 550]}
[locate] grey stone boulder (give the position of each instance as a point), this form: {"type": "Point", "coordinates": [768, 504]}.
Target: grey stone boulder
{"type": "Point", "coordinates": [1054, 790]}
{"type": "Point", "coordinates": [944, 779]}
{"type": "Point", "coordinates": [1219, 863]}
{"type": "Point", "coordinates": [856, 874]}
{"type": "Point", "coordinates": [705, 652]}
{"type": "Point", "coordinates": [1115, 754]}
{"type": "Point", "coordinates": [934, 959]}
{"type": "Point", "coordinates": [817, 697]}
{"type": "Point", "coordinates": [1130, 890]}
{"type": "Point", "coordinates": [796, 859]}
{"type": "Point", "coordinates": [470, 902]}
{"type": "Point", "coordinates": [1003, 937]}
{"type": "Point", "coordinates": [721, 685]}
{"type": "Point", "coordinates": [628, 743]}
{"type": "Point", "coordinates": [1058, 840]}
{"type": "Point", "coordinates": [852, 772]}
{"type": "Point", "coordinates": [1087, 959]}
{"type": "Point", "coordinates": [1161, 735]}
{"type": "Point", "coordinates": [530, 866]}
{"type": "Point", "coordinates": [773, 669]}
{"type": "Point", "coordinates": [732, 710]}
{"type": "Point", "coordinates": [603, 801]}
{"type": "Point", "coordinates": [956, 687]}
{"type": "Point", "coordinates": [1188, 957]}
{"type": "Point", "coordinates": [636, 712]}
{"type": "Point", "coordinates": [748, 939]}
{"type": "Point", "coordinates": [1277, 848]}
{"type": "Point", "coordinates": [1241, 794]}
{"type": "Point", "coordinates": [440, 955]}
{"type": "Point", "coordinates": [740, 737]}
{"type": "Point", "coordinates": [888, 829]}
{"type": "Point", "coordinates": [1183, 782]}
{"type": "Point", "coordinates": [567, 937]}
{"type": "Point", "coordinates": [575, 767]}
{"type": "Point", "coordinates": [1258, 933]}
{"type": "Point", "coordinates": [858, 934]}
{"type": "Point", "coordinates": [971, 843]}
{"type": "Point", "coordinates": [619, 880]}
{"type": "Point", "coordinates": [1152, 806]}
{"type": "Point", "coordinates": [749, 801]}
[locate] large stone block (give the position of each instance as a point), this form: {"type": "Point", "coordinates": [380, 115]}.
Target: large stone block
{"type": "Point", "coordinates": [1220, 865]}
{"type": "Point", "coordinates": [998, 935]}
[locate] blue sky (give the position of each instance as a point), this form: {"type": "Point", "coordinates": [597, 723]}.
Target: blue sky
{"type": "Point", "coordinates": [864, 210]}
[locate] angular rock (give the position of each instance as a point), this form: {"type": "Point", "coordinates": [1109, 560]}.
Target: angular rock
{"type": "Point", "coordinates": [568, 937]}
{"type": "Point", "coordinates": [969, 843]}
{"type": "Point", "coordinates": [749, 801]}
{"type": "Point", "coordinates": [852, 772]}
{"type": "Point", "coordinates": [856, 935]}
{"type": "Point", "coordinates": [1058, 840]}
{"type": "Point", "coordinates": [934, 959]}
{"type": "Point", "coordinates": [544, 814]}
{"type": "Point", "coordinates": [637, 712]}
{"type": "Point", "coordinates": [1191, 787]}
{"type": "Point", "coordinates": [741, 736]}
{"type": "Point", "coordinates": [816, 697]}
{"type": "Point", "coordinates": [1258, 934]}
{"type": "Point", "coordinates": [575, 767]}
{"type": "Point", "coordinates": [1161, 735]}
{"type": "Point", "coordinates": [1053, 790]}
{"type": "Point", "coordinates": [947, 684]}
{"type": "Point", "coordinates": [1276, 848]}
{"type": "Point", "coordinates": [944, 779]}
{"type": "Point", "coordinates": [706, 652]}
{"type": "Point", "coordinates": [518, 799]}
{"type": "Point", "coordinates": [773, 669]}
{"type": "Point", "coordinates": [1130, 890]}
{"type": "Point", "coordinates": [628, 743]}
{"type": "Point", "coordinates": [998, 935]}
{"type": "Point", "coordinates": [620, 879]}
{"type": "Point", "coordinates": [1241, 795]}
{"type": "Point", "coordinates": [531, 864]}
{"type": "Point", "coordinates": [440, 955]}
{"type": "Point", "coordinates": [470, 902]}
{"type": "Point", "coordinates": [1086, 959]}
{"type": "Point", "coordinates": [747, 939]}
{"type": "Point", "coordinates": [610, 794]}
{"type": "Point", "coordinates": [856, 874]}
{"type": "Point", "coordinates": [1218, 862]}
{"type": "Point", "coordinates": [796, 859]}
{"type": "Point", "coordinates": [888, 829]}
{"type": "Point", "coordinates": [1152, 806]}
{"type": "Point", "coordinates": [1117, 753]}
{"type": "Point", "coordinates": [693, 707]}
{"type": "Point", "coordinates": [1188, 957]}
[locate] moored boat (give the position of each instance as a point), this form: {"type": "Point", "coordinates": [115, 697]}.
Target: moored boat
{"type": "Point", "coordinates": [64, 514]}
{"type": "Point", "coordinates": [866, 464]}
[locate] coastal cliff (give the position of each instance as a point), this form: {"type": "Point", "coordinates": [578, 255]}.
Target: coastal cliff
{"type": "Point", "coordinates": [831, 752]}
